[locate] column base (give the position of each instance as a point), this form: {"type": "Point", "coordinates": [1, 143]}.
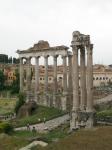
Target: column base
{"type": "Point", "coordinates": [54, 100]}
{"type": "Point", "coordinates": [88, 118]}
{"type": "Point", "coordinates": [46, 100]}
{"type": "Point", "coordinates": [74, 121]}
{"type": "Point", "coordinates": [91, 119]}
{"type": "Point", "coordinates": [82, 119]}
{"type": "Point", "coordinates": [64, 101]}
{"type": "Point", "coordinates": [37, 97]}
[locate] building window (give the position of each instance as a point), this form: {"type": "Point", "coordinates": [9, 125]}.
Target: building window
{"type": "Point", "coordinates": [40, 78]}
{"type": "Point", "coordinates": [103, 78]}
{"type": "Point", "coordinates": [96, 78]}
{"type": "Point", "coordinates": [100, 78]}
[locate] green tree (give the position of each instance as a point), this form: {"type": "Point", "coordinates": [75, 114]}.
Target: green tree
{"type": "Point", "coordinates": [2, 80]}
{"type": "Point", "coordinates": [15, 85]}
{"type": "Point", "coordinates": [5, 127]}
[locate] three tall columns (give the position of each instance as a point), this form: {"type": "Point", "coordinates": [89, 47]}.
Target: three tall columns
{"type": "Point", "coordinates": [83, 93]}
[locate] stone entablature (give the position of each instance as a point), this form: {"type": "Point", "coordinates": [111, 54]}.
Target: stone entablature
{"type": "Point", "coordinates": [43, 49]}
{"type": "Point", "coordinates": [79, 39]}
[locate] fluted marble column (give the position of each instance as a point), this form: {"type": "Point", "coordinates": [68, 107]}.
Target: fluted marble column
{"type": "Point", "coordinates": [82, 79]}
{"type": "Point", "coordinates": [21, 75]}
{"type": "Point", "coordinates": [89, 78]}
{"type": "Point", "coordinates": [36, 78]}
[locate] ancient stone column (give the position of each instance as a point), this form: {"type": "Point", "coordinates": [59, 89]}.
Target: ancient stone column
{"type": "Point", "coordinates": [21, 75]}
{"type": "Point", "coordinates": [46, 98]}
{"type": "Point", "coordinates": [89, 109]}
{"type": "Point", "coordinates": [55, 80]}
{"type": "Point", "coordinates": [46, 73]}
{"type": "Point", "coordinates": [89, 78]}
{"type": "Point", "coordinates": [75, 79]}
{"type": "Point", "coordinates": [70, 83]}
{"type": "Point", "coordinates": [64, 75]}
{"type": "Point", "coordinates": [64, 98]}
{"type": "Point", "coordinates": [28, 78]}
{"type": "Point", "coordinates": [36, 78]}
{"type": "Point", "coordinates": [82, 79]}
{"type": "Point", "coordinates": [75, 108]}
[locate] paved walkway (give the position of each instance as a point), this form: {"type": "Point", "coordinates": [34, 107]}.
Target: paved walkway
{"type": "Point", "coordinates": [48, 125]}
{"type": "Point", "coordinates": [104, 100]}
{"type": "Point", "coordinates": [51, 124]}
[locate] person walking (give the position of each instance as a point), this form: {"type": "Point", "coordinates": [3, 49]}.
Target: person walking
{"type": "Point", "coordinates": [28, 127]}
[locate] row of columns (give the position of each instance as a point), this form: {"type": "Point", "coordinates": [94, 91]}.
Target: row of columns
{"type": "Point", "coordinates": [84, 100]}
{"type": "Point", "coordinates": [28, 78]}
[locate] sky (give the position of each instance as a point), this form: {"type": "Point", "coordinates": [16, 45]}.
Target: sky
{"type": "Point", "coordinates": [25, 22]}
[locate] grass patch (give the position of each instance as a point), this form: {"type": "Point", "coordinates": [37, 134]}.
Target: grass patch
{"type": "Point", "coordinates": [25, 134]}
{"type": "Point", "coordinates": [40, 113]}
{"type": "Point", "coordinates": [11, 142]}
{"type": "Point", "coordinates": [96, 139]}
{"type": "Point", "coordinates": [7, 106]}
{"type": "Point", "coordinates": [105, 115]}
{"type": "Point", "coordinates": [99, 139]}
{"type": "Point", "coordinates": [19, 139]}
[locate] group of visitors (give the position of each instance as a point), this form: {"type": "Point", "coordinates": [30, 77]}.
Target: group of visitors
{"type": "Point", "coordinates": [33, 129]}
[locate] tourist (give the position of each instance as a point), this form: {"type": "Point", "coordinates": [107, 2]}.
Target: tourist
{"type": "Point", "coordinates": [34, 130]}
{"type": "Point", "coordinates": [44, 119]}
{"type": "Point", "coordinates": [28, 127]}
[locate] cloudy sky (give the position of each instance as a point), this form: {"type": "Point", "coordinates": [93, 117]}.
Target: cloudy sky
{"type": "Point", "coordinates": [25, 22]}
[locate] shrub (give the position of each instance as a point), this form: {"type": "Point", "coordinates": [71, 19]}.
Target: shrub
{"type": "Point", "coordinates": [20, 102]}
{"type": "Point", "coordinates": [5, 127]}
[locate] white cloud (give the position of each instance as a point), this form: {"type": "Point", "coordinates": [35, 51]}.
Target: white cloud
{"type": "Point", "coordinates": [23, 23]}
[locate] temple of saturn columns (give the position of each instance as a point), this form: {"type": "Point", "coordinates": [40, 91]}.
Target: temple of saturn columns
{"type": "Point", "coordinates": [78, 95]}
{"type": "Point", "coordinates": [54, 99]}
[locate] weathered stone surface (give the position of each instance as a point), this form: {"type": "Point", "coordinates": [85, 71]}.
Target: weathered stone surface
{"type": "Point", "coordinates": [27, 109]}
{"type": "Point", "coordinates": [41, 45]}
{"type": "Point", "coordinates": [80, 39]}
{"type": "Point", "coordinates": [82, 42]}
